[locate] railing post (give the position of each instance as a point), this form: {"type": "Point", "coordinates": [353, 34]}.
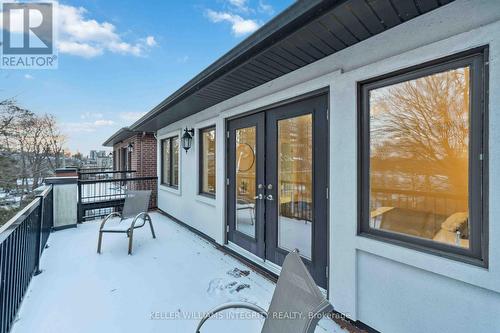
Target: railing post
{"type": "Point", "coordinates": [39, 235]}
{"type": "Point", "coordinates": [80, 206]}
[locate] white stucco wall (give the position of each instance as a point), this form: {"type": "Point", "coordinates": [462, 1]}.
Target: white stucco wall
{"type": "Point", "coordinates": [391, 288]}
{"type": "Point", "coordinates": [185, 203]}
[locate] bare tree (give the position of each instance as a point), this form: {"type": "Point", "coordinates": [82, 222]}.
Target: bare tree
{"type": "Point", "coordinates": [420, 129]}
{"type": "Point", "coordinates": [54, 141]}
{"type": "Point", "coordinates": [34, 141]}
{"type": "Point", "coordinates": [10, 115]}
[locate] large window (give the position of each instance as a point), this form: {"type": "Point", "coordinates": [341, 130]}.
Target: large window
{"type": "Point", "coordinates": [421, 152]}
{"type": "Point", "coordinates": [170, 162]}
{"type": "Point", "coordinates": [207, 161]}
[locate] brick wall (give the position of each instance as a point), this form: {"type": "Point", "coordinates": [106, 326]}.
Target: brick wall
{"type": "Point", "coordinates": [143, 157]}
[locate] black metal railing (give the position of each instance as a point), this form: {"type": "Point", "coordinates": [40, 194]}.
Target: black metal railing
{"type": "Point", "coordinates": [441, 203]}
{"type": "Point", "coordinates": [111, 174]}
{"type": "Point", "coordinates": [47, 216]}
{"type": "Point", "coordinates": [97, 169]}
{"type": "Point", "coordinates": [99, 197]}
{"type": "Point", "coordinates": [297, 200]}
{"type": "Point", "coordinates": [22, 241]}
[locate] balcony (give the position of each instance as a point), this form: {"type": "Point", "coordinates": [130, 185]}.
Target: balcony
{"type": "Point", "coordinates": [165, 286]}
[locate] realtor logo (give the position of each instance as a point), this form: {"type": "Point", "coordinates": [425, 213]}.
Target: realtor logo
{"type": "Point", "coordinates": [28, 36]}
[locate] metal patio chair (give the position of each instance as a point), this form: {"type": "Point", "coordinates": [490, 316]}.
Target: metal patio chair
{"type": "Point", "coordinates": [297, 304]}
{"type": "Point", "coordinates": [134, 215]}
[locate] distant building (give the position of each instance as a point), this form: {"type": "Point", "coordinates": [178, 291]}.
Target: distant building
{"type": "Point", "coordinates": [93, 155]}
{"type": "Point", "coordinates": [99, 159]}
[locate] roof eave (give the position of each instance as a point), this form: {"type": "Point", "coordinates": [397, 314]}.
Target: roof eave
{"type": "Point", "coordinates": [286, 22]}
{"type": "Point", "coordinates": [120, 135]}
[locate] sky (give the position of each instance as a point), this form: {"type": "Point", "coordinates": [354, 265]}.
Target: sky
{"type": "Point", "coordinates": [117, 59]}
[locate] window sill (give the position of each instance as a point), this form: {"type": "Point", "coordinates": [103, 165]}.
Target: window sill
{"type": "Point", "coordinates": [206, 199]}
{"type": "Point", "coordinates": [434, 251]}
{"type": "Point", "coordinates": [169, 189]}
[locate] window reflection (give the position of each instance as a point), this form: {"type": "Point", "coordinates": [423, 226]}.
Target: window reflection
{"type": "Point", "coordinates": [175, 161]}
{"type": "Point", "coordinates": [246, 146]}
{"type": "Point", "coordinates": [208, 161]}
{"type": "Point", "coordinates": [166, 162]}
{"type": "Point", "coordinates": [419, 148]}
{"type": "Point", "coordinates": [295, 184]}
{"type": "Point", "coordinates": [170, 161]}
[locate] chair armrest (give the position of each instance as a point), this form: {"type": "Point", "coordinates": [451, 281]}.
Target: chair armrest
{"type": "Point", "coordinates": [142, 215]}
{"type": "Point", "coordinates": [231, 305]}
{"type": "Point", "coordinates": [108, 217]}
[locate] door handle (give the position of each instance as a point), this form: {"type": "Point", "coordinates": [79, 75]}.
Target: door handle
{"type": "Point", "coordinates": [259, 197]}
{"type": "Point", "coordinates": [270, 197]}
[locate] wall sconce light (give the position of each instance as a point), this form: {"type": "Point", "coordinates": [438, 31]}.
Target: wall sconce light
{"type": "Point", "coordinates": [187, 139]}
{"type": "Point", "coordinates": [130, 147]}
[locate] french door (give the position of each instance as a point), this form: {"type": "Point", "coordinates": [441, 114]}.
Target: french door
{"type": "Point", "coordinates": [278, 178]}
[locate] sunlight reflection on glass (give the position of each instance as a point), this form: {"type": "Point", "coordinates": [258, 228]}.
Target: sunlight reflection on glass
{"type": "Point", "coordinates": [419, 164]}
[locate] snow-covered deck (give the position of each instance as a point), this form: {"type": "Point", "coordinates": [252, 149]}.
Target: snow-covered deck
{"type": "Point", "coordinates": [165, 283]}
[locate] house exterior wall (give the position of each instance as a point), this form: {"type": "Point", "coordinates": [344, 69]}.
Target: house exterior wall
{"type": "Point", "coordinates": [388, 287]}
{"type": "Point", "coordinates": [143, 154]}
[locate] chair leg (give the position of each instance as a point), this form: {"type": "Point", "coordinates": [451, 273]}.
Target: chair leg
{"type": "Point", "coordinates": [130, 238]}
{"type": "Point", "coordinates": [151, 226]}
{"type": "Point", "coordinates": [99, 242]}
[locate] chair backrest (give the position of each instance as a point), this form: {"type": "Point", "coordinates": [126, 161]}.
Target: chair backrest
{"type": "Point", "coordinates": [135, 202]}
{"type": "Point", "coordinates": [297, 304]}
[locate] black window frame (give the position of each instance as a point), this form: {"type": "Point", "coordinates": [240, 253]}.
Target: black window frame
{"type": "Point", "coordinates": [123, 158]}
{"type": "Point", "coordinates": [167, 180]}
{"type": "Point", "coordinates": [477, 253]}
{"type": "Point", "coordinates": [200, 160]}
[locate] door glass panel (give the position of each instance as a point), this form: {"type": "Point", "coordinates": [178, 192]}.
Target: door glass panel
{"type": "Point", "coordinates": [295, 205]}
{"type": "Point", "coordinates": [246, 172]}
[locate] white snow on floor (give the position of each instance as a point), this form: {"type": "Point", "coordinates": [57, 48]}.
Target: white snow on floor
{"type": "Point", "coordinates": [159, 288]}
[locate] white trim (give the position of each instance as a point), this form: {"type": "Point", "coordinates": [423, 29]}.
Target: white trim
{"type": "Point", "coordinates": [220, 150]}
{"type": "Point", "coordinates": [211, 201]}
{"type": "Point", "coordinates": [178, 190]}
